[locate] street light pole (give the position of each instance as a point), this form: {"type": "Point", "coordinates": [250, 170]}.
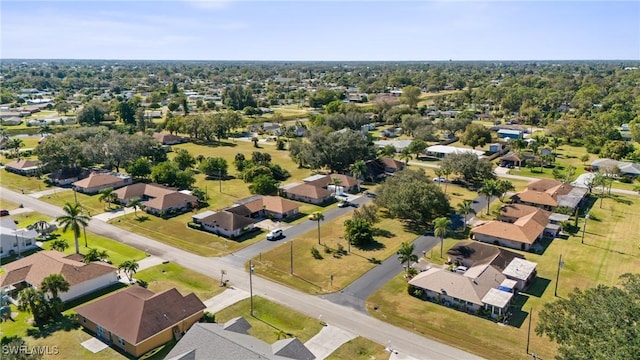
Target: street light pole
{"type": "Point", "coordinates": [584, 228]}
{"type": "Point", "coordinates": [291, 257]}
{"type": "Point", "coordinates": [560, 265]}
{"type": "Point", "coordinates": [251, 268]}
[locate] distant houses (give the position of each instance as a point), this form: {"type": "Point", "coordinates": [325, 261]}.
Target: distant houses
{"type": "Point", "coordinates": [24, 167]}
{"type": "Point", "coordinates": [550, 194]}
{"type": "Point", "coordinates": [320, 189]}
{"type": "Point", "coordinates": [441, 151]}
{"type": "Point", "coordinates": [100, 181]}
{"type": "Point", "coordinates": [625, 168]}
{"type": "Point", "coordinates": [14, 241]}
{"type": "Point", "coordinates": [168, 139]}
{"type": "Point", "coordinates": [157, 199]}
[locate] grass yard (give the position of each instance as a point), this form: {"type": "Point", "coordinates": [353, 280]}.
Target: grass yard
{"type": "Point", "coordinates": [7, 205]}
{"type": "Point", "coordinates": [610, 249]}
{"type": "Point", "coordinates": [360, 349]}
{"type": "Point", "coordinates": [174, 231]}
{"type": "Point", "coordinates": [118, 252]}
{"type": "Point", "coordinates": [89, 202]}
{"type": "Point", "coordinates": [166, 276]}
{"type": "Point", "coordinates": [271, 321]}
{"type": "Point", "coordinates": [27, 218]}
{"type": "Point", "coordinates": [312, 275]}
{"type": "Point", "coordinates": [19, 183]}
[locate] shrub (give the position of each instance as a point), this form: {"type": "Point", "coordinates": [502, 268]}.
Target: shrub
{"type": "Point", "coordinates": [328, 250]}
{"type": "Point", "coordinates": [208, 317]}
{"type": "Point", "coordinates": [316, 254]}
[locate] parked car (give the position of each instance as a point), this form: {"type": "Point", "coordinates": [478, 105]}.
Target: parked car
{"type": "Point", "coordinates": [4, 212]}
{"type": "Point", "coordinates": [275, 234]}
{"type": "Point", "coordinates": [343, 204]}
{"type": "Point", "coordinates": [440, 179]}
{"type": "Point", "coordinates": [370, 194]}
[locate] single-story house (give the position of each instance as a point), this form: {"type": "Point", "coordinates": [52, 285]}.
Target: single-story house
{"type": "Point", "coordinates": [266, 127]}
{"type": "Point", "coordinates": [398, 144]}
{"type": "Point", "coordinates": [338, 183]}
{"type": "Point", "coordinates": [157, 199]}
{"type": "Point", "coordinates": [306, 193]}
{"type": "Point", "coordinates": [522, 271]}
{"type": "Point", "coordinates": [136, 320]}
{"type": "Point", "coordinates": [382, 167]}
{"type": "Point", "coordinates": [265, 206]}
{"type": "Point", "coordinates": [231, 341]}
{"type": "Point", "coordinates": [24, 167]}
{"type": "Point", "coordinates": [172, 203]}
{"type": "Point", "coordinates": [550, 194]}
{"type": "Point", "coordinates": [168, 139]}
{"type": "Point", "coordinates": [626, 168]}
{"type": "Point", "coordinates": [14, 240]}
{"type": "Point", "coordinates": [83, 278]}
{"type": "Point", "coordinates": [100, 181]}
{"type": "Point", "coordinates": [441, 151]}
{"type": "Point", "coordinates": [512, 212]}
{"type": "Point", "coordinates": [11, 121]}
{"type": "Point", "coordinates": [521, 234]}
{"type": "Point", "coordinates": [510, 134]}
{"type": "Point", "coordinates": [225, 223]}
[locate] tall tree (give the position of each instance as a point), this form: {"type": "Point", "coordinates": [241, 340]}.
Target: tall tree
{"type": "Point", "coordinates": [358, 169]}
{"type": "Point", "coordinates": [596, 323]}
{"type": "Point", "coordinates": [406, 255]}
{"type": "Point", "coordinates": [358, 232]}
{"type": "Point", "coordinates": [129, 267]}
{"type": "Point", "coordinates": [410, 95]}
{"type": "Point", "coordinates": [107, 196]}
{"type": "Point", "coordinates": [317, 217]}
{"type": "Point", "coordinates": [476, 135]}
{"type": "Point", "coordinates": [184, 159]}
{"type": "Point", "coordinates": [214, 166]}
{"type": "Point", "coordinates": [440, 230]}
{"type": "Point", "coordinates": [489, 189]}
{"type": "Point", "coordinates": [73, 219]}
{"type": "Point", "coordinates": [136, 204]}
{"type": "Point", "coordinates": [465, 208]}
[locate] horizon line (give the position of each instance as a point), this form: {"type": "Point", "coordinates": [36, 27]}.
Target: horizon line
{"type": "Point", "coordinates": [282, 60]}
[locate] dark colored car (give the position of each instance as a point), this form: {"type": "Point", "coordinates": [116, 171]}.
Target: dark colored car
{"type": "Point", "coordinates": [4, 212]}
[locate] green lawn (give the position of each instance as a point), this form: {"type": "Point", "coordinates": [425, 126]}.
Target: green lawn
{"type": "Point", "coordinates": [271, 321]}
{"type": "Point", "coordinates": [360, 349]}
{"type": "Point", "coordinates": [167, 276]}
{"type": "Point", "coordinates": [90, 202]}
{"type": "Point", "coordinates": [610, 249]}
{"type": "Point", "coordinates": [25, 219]}
{"type": "Point", "coordinates": [19, 183]}
{"type": "Point", "coordinates": [312, 275]}
{"type": "Point", "coordinates": [174, 231]}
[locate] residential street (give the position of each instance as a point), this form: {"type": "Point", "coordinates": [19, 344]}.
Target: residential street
{"type": "Point", "coordinates": [405, 342]}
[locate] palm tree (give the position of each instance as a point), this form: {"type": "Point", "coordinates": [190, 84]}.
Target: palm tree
{"type": "Point", "coordinates": [518, 144]}
{"type": "Point", "coordinates": [317, 216]}
{"type": "Point", "coordinates": [405, 155]}
{"type": "Point", "coordinates": [15, 144]}
{"type": "Point", "coordinates": [59, 245]}
{"type": "Point", "coordinates": [440, 230]}
{"type": "Point", "coordinates": [502, 187]}
{"type": "Point", "coordinates": [54, 284]}
{"type": "Point", "coordinates": [135, 204]}
{"type": "Point", "coordinates": [489, 189]}
{"type": "Point", "coordinates": [31, 300]}
{"type": "Point", "coordinates": [106, 195]}
{"type": "Point", "coordinates": [74, 219]}
{"type": "Point", "coordinates": [445, 171]}
{"type": "Point", "coordinates": [255, 141]}
{"type": "Point", "coordinates": [129, 267]}
{"type": "Point", "coordinates": [406, 255]}
{"type": "Point", "coordinates": [95, 255]}
{"type": "Point", "coordinates": [464, 208]}
{"type": "Point", "coordinates": [358, 169]}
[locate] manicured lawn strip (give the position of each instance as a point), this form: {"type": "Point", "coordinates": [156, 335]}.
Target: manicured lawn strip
{"type": "Point", "coordinates": [91, 203]}
{"type": "Point", "coordinates": [166, 276]}
{"type": "Point", "coordinates": [118, 252]}
{"type": "Point", "coordinates": [174, 231]}
{"type": "Point", "coordinates": [7, 205]}
{"type": "Point", "coordinates": [360, 349]}
{"type": "Point", "coordinates": [271, 320]}
{"type": "Point", "coordinates": [28, 218]}
{"type": "Point", "coordinates": [313, 275]}
{"type": "Point", "coordinates": [19, 183]}
{"type": "Point", "coordinates": [609, 250]}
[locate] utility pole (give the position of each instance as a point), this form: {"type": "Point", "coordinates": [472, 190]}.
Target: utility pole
{"type": "Point", "coordinates": [529, 332]}
{"type": "Point", "coordinates": [251, 268]}
{"type": "Point", "coordinates": [560, 266]}
{"type": "Point", "coordinates": [584, 228]}
{"type": "Point", "coordinates": [291, 257]}
{"type": "Point", "coordinates": [220, 179]}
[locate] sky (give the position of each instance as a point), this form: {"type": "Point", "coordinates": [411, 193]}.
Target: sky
{"type": "Point", "coordinates": [330, 30]}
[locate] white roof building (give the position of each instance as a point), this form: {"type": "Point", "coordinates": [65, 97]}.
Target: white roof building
{"type": "Point", "coordinates": [444, 150]}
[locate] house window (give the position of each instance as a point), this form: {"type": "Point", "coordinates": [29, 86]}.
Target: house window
{"type": "Point", "coordinates": [121, 341]}
{"type": "Point", "coordinates": [28, 242]}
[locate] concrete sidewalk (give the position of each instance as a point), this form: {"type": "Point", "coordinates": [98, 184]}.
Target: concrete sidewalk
{"type": "Point", "coordinates": [113, 214]}
{"type": "Point", "coordinates": [20, 211]}
{"type": "Point", "coordinates": [226, 298]}
{"type": "Point", "coordinates": [328, 340]}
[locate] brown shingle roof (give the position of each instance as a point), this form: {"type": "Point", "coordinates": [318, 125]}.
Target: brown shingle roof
{"type": "Point", "coordinates": [98, 179]}
{"type": "Point", "coordinates": [135, 313]}
{"type": "Point", "coordinates": [164, 138]}
{"type": "Point", "coordinates": [476, 253]}
{"type": "Point", "coordinates": [535, 197]}
{"type": "Point", "coordinates": [519, 210]}
{"type": "Point", "coordinates": [22, 164]}
{"type": "Point", "coordinates": [524, 230]}
{"type": "Point", "coordinates": [310, 191]}
{"type": "Point", "coordinates": [274, 204]}
{"type": "Point", "coordinates": [345, 180]}
{"type": "Point", "coordinates": [392, 163]}
{"type": "Point", "coordinates": [34, 268]}
{"type": "Point", "coordinates": [227, 220]}
{"type": "Point", "coordinates": [171, 200]}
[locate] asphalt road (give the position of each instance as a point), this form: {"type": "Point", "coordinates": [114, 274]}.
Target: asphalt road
{"type": "Point", "coordinates": [405, 342]}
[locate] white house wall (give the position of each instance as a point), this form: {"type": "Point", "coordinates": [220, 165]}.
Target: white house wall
{"type": "Point", "coordinates": [90, 286]}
